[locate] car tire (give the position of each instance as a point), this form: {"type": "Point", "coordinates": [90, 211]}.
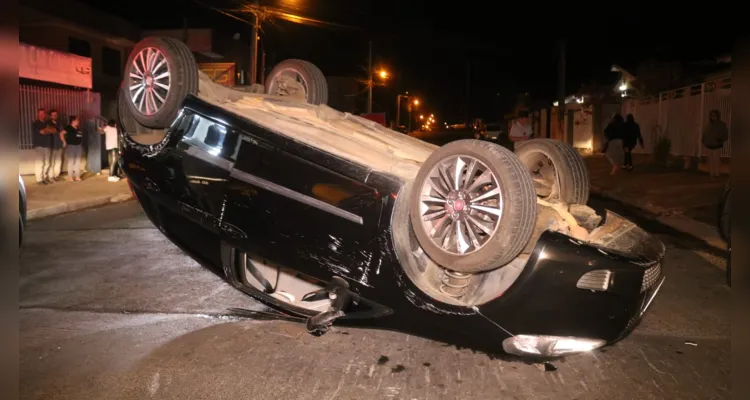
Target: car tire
{"type": "Point", "coordinates": [514, 206]}
{"type": "Point", "coordinates": [177, 71]}
{"type": "Point", "coordinates": [314, 82]}
{"type": "Point", "coordinates": [564, 167]}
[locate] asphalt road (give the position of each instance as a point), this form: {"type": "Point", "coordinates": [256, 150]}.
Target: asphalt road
{"type": "Point", "coordinates": [111, 310]}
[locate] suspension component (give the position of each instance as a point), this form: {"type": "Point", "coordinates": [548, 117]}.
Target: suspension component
{"type": "Point", "coordinates": [455, 284]}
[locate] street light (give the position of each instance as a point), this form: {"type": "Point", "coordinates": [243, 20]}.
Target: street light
{"type": "Point", "coordinates": [421, 117]}
{"type": "Point", "coordinates": [383, 74]}
{"type": "Point", "coordinates": [414, 104]}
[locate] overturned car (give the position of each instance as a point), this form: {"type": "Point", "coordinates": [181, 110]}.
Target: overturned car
{"type": "Point", "coordinates": [333, 218]}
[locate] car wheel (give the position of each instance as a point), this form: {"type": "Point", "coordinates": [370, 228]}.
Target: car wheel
{"type": "Point", "coordinates": [300, 79]}
{"type": "Point", "coordinates": [473, 206]}
{"type": "Point", "coordinates": [159, 74]}
{"type": "Point", "coordinates": [558, 171]}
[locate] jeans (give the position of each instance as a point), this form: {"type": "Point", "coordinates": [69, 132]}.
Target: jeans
{"type": "Point", "coordinates": [73, 153]}
{"type": "Point", "coordinates": [628, 157]}
{"type": "Point", "coordinates": [56, 163]}
{"type": "Point", "coordinates": [113, 157]}
{"type": "Point", "coordinates": [42, 163]}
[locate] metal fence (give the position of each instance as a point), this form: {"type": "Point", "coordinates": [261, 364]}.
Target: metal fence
{"type": "Point", "coordinates": [67, 102]}
{"type": "Point", "coordinates": [681, 114]}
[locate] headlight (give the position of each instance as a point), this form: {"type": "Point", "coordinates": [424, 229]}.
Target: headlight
{"type": "Point", "coordinates": [549, 346]}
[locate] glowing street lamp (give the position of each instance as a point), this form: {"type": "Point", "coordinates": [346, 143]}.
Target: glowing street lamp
{"type": "Point", "coordinates": [383, 74]}
{"type": "Point", "coordinates": [421, 117]}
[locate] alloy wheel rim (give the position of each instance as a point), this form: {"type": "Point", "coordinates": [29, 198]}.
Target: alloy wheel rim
{"type": "Point", "coordinates": [279, 83]}
{"type": "Point", "coordinates": [461, 205]}
{"type": "Point", "coordinates": [150, 81]}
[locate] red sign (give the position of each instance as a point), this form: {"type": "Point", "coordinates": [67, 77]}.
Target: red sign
{"type": "Point", "coordinates": [377, 117]}
{"type": "Point", "coordinates": [54, 66]}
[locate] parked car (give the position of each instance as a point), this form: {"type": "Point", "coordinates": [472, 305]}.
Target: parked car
{"type": "Point", "coordinates": [332, 218]}
{"type": "Point", "coordinates": [724, 228]}
{"type": "Point", "coordinates": [21, 210]}
{"type": "Point", "coordinates": [494, 131]}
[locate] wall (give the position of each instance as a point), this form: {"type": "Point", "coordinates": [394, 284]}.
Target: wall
{"type": "Point", "coordinates": [52, 23]}
{"type": "Point", "coordinates": [680, 115]}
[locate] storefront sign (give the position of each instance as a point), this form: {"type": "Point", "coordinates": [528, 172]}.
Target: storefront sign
{"type": "Point", "coordinates": [54, 66]}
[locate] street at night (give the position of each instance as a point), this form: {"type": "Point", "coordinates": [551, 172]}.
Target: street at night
{"type": "Point", "coordinates": [355, 200]}
{"type": "Point", "coordinates": [110, 309]}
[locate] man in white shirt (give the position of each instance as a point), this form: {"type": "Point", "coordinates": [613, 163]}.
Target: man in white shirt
{"type": "Point", "coordinates": [110, 143]}
{"type": "Point", "coordinates": [521, 130]}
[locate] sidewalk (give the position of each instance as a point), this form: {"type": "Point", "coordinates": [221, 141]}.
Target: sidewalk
{"type": "Point", "coordinates": [683, 200]}
{"type": "Point", "coordinates": [63, 197]}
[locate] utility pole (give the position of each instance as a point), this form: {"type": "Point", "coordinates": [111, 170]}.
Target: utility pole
{"type": "Point", "coordinates": [263, 66]}
{"type": "Point", "coordinates": [561, 91]}
{"type": "Point", "coordinates": [398, 111]}
{"type": "Point", "coordinates": [369, 79]}
{"type": "Point", "coordinates": [254, 48]}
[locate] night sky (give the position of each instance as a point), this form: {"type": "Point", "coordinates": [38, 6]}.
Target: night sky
{"type": "Point", "coordinates": [427, 46]}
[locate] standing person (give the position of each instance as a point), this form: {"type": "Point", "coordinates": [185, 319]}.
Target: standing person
{"type": "Point", "coordinates": [715, 133]}
{"type": "Point", "coordinates": [632, 135]}
{"type": "Point", "coordinates": [521, 130]}
{"type": "Point", "coordinates": [72, 138]}
{"type": "Point", "coordinates": [110, 142]}
{"type": "Point", "coordinates": [613, 135]}
{"type": "Point", "coordinates": [41, 138]}
{"type": "Point", "coordinates": [57, 145]}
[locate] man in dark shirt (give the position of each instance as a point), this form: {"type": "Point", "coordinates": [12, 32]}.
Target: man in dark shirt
{"type": "Point", "coordinates": [57, 145]}
{"type": "Point", "coordinates": [41, 136]}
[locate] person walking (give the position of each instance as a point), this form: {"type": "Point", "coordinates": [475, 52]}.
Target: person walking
{"type": "Point", "coordinates": [41, 138]}
{"type": "Point", "coordinates": [631, 136]}
{"type": "Point", "coordinates": [110, 142]}
{"type": "Point", "coordinates": [57, 145]}
{"type": "Point", "coordinates": [715, 133]}
{"type": "Point", "coordinates": [613, 145]}
{"type": "Point", "coordinates": [72, 138]}
{"type": "Point", "coordinates": [521, 130]}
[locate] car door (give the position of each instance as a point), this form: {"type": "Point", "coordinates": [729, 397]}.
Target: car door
{"type": "Point", "coordinates": [298, 210]}
{"type": "Point", "coordinates": [201, 166]}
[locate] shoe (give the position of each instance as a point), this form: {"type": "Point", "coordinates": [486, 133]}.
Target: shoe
{"type": "Point", "coordinates": [43, 183]}
{"type": "Point", "coordinates": [49, 181]}
{"type": "Point", "coordinates": [113, 179]}
{"type": "Point", "coordinates": [77, 179]}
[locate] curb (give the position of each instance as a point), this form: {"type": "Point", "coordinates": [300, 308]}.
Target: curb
{"type": "Point", "coordinates": [64, 208]}
{"type": "Point", "coordinates": [699, 230]}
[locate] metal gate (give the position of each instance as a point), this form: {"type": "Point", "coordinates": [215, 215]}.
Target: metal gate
{"type": "Point", "coordinates": [67, 102]}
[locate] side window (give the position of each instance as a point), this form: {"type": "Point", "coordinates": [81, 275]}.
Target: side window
{"type": "Point", "coordinates": [79, 47]}
{"type": "Point", "coordinates": [210, 136]}
{"type": "Point", "coordinates": [111, 61]}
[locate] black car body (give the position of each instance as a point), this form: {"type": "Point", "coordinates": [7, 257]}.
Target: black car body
{"type": "Point", "coordinates": [244, 187]}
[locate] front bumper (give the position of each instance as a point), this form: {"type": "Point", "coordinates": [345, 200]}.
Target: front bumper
{"type": "Point", "coordinates": [556, 346]}
{"type": "Point", "coordinates": [575, 296]}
